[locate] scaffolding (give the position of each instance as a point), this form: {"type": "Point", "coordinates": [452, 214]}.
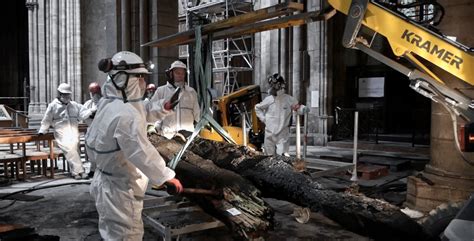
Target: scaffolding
{"type": "Point", "coordinates": [230, 56]}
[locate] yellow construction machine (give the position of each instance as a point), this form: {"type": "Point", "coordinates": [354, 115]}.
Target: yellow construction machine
{"type": "Point", "coordinates": [418, 44]}
{"type": "Point", "coordinates": [236, 114]}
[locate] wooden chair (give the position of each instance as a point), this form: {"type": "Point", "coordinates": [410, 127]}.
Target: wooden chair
{"type": "Point", "coordinates": [58, 153]}
{"type": "Point", "coordinates": [36, 156]}
{"type": "Point", "coordinates": [12, 161]}
{"type": "Point", "coordinates": [39, 158]}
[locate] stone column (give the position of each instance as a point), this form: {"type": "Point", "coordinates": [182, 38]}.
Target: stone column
{"type": "Point", "coordinates": [62, 41]}
{"type": "Point", "coordinates": [163, 22]}
{"type": "Point", "coordinates": [296, 62]}
{"type": "Point", "coordinates": [266, 52]}
{"type": "Point", "coordinates": [319, 82]}
{"type": "Point", "coordinates": [32, 6]}
{"type": "Point", "coordinates": [144, 27]}
{"type": "Point", "coordinates": [41, 57]}
{"type": "Point", "coordinates": [76, 50]}
{"type": "Point", "coordinates": [126, 15]}
{"type": "Point", "coordinates": [47, 50]}
{"type": "Point", "coordinates": [54, 52]}
{"type": "Point", "coordinates": [68, 37]}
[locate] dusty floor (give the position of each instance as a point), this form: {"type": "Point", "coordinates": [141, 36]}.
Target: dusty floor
{"type": "Point", "coordinates": [69, 212]}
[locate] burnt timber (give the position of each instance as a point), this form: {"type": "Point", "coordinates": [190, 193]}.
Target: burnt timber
{"type": "Point", "coordinates": [275, 177]}
{"type": "Point", "coordinates": [237, 193]}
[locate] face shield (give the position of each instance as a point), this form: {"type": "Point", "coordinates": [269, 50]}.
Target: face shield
{"type": "Point", "coordinates": [149, 93]}
{"type": "Point", "coordinates": [131, 85]}
{"type": "Point", "coordinates": [277, 85]}
{"type": "Point", "coordinates": [272, 91]}
{"type": "Point", "coordinates": [95, 97]}
{"type": "Point", "coordinates": [280, 92]}
{"type": "Point", "coordinates": [64, 98]}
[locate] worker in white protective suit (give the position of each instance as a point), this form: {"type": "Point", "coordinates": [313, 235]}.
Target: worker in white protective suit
{"type": "Point", "coordinates": [117, 142]}
{"type": "Point", "coordinates": [150, 91]}
{"type": "Point", "coordinates": [95, 94]}
{"type": "Point", "coordinates": [187, 112]}
{"type": "Point", "coordinates": [64, 115]}
{"type": "Point", "coordinates": [275, 111]}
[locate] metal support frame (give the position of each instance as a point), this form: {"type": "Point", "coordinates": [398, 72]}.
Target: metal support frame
{"type": "Point", "coordinates": [155, 206]}
{"type": "Point", "coordinates": [227, 49]}
{"type": "Point", "coordinates": [206, 119]}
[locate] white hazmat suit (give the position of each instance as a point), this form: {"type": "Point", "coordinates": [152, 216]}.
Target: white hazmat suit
{"type": "Point", "coordinates": [64, 118]}
{"type": "Point", "coordinates": [275, 112]}
{"type": "Point", "coordinates": [117, 142]}
{"type": "Point", "coordinates": [186, 112]}
{"type": "Point", "coordinates": [92, 105]}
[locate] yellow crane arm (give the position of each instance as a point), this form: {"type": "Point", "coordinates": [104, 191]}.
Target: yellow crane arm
{"type": "Point", "coordinates": [407, 37]}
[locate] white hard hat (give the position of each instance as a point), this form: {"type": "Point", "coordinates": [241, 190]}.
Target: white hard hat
{"type": "Point", "coordinates": [65, 88]}
{"type": "Point", "coordinates": [128, 62]}
{"type": "Point", "coordinates": [178, 64]}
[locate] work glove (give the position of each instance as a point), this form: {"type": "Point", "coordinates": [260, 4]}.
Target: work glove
{"type": "Point", "coordinates": [306, 109]}
{"type": "Point", "coordinates": [295, 107]}
{"type": "Point", "coordinates": [93, 111]}
{"type": "Point", "coordinates": [174, 100]}
{"type": "Point", "coordinates": [150, 128]}
{"type": "Point", "coordinates": [173, 186]}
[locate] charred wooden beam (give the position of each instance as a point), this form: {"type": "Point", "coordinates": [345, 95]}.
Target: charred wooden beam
{"type": "Point", "coordinates": [255, 217]}
{"type": "Point", "coordinates": [246, 18]}
{"type": "Point", "coordinates": [276, 178]}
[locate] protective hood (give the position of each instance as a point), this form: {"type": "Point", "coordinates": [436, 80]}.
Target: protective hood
{"type": "Point", "coordinates": [133, 91]}
{"type": "Point", "coordinates": [64, 98]}
{"type": "Point", "coordinates": [272, 91]}
{"type": "Point", "coordinates": [179, 84]}
{"type": "Point", "coordinates": [280, 92]}
{"type": "Point", "coordinates": [95, 97]}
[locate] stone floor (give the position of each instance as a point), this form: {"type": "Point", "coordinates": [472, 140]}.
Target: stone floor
{"type": "Point", "coordinates": [69, 212]}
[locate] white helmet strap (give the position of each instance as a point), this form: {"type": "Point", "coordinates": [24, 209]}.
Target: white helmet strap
{"type": "Point", "coordinates": [123, 87]}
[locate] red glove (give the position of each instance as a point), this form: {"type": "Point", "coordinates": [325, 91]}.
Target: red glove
{"type": "Point", "coordinates": [173, 186]}
{"type": "Point", "coordinates": [295, 107]}
{"type": "Point", "coordinates": [174, 100]}
{"type": "Point", "coordinates": [168, 106]}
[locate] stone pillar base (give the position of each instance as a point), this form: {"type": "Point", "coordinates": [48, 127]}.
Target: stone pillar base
{"type": "Point", "coordinates": [34, 121]}
{"type": "Point", "coordinates": [424, 197]}
{"type": "Point", "coordinates": [36, 112]}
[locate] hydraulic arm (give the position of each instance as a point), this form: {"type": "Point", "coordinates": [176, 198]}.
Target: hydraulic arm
{"type": "Point", "coordinates": [408, 39]}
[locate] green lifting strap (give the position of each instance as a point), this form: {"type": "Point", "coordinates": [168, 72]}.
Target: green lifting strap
{"type": "Point", "coordinates": [203, 77]}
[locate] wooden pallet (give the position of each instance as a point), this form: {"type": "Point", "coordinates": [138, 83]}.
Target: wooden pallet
{"type": "Point", "coordinates": [321, 167]}
{"type": "Point", "coordinates": [394, 164]}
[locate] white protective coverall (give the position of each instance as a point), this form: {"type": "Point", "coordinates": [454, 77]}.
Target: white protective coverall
{"type": "Point", "coordinates": [117, 142]}
{"type": "Point", "coordinates": [186, 112]}
{"type": "Point", "coordinates": [64, 118]}
{"type": "Point", "coordinates": [275, 112]}
{"type": "Point", "coordinates": [92, 105]}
